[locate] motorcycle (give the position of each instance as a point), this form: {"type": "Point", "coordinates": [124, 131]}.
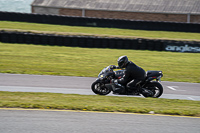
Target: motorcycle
{"type": "Point", "coordinates": [151, 84]}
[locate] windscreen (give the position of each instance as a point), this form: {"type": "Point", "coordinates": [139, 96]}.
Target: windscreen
{"type": "Point", "coordinates": [105, 70]}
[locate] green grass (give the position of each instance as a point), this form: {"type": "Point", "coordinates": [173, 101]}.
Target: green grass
{"type": "Point", "coordinates": [109, 32]}
{"type": "Point", "coordinates": [99, 103]}
{"type": "Point", "coordinates": [55, 60]}
{"type": "Point", "coordinates": [88, 62]}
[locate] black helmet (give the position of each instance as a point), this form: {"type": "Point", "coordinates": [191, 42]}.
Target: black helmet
{"type": "Point", "coordinates": [122, 61]}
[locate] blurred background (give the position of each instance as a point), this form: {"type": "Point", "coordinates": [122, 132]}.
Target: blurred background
{"type": "Point", "coordinates": [16, 5]}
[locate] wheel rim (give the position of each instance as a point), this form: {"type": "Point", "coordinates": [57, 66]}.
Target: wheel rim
{"type": "Point", "coordinates": [101, 89]}
{"type": "Point", "coordinates": [155, 90]}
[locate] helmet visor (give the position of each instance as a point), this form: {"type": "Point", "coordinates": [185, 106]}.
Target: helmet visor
{"type": "Point", "coordinates": [121, 64]}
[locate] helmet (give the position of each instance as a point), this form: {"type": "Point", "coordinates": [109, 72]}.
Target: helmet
{"type": "Point", "coordinates": [122, 61]}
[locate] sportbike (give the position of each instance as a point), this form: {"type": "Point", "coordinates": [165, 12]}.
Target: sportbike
{"type": "Point", "coordinates": [151, 83]}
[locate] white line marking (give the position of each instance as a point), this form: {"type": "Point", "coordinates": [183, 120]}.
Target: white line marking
{"type": "Point", "coordinates": [172, 87]}
{"type": "Point", "coordinates": [191, 98]}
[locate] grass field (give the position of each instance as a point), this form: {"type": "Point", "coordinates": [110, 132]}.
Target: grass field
{"type": "Point", "coordinates": [99, 103]}
{"type": "Point", "coordinates": [108, 32]}
{"type": "Point", "coordinates": [88, 62]}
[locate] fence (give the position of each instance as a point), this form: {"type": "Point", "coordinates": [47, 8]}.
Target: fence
{"type": "Point", "coordinates": [99, 42]}
{"type": "Point", "coordinates": [97, 22]}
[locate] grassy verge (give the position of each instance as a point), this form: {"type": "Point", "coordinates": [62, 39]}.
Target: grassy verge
{"type": "Point", "coordinates": [54, 60]}
{"type": "Point", "coordinates": [88, 62]}
{"type": "Point", "coordinates": [108, 32]}
{"type": "Point", "coordinates": [99, 103]}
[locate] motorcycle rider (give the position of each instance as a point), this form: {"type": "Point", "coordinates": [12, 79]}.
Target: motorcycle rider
{"type": "Point", "coordinates": [132, 76]}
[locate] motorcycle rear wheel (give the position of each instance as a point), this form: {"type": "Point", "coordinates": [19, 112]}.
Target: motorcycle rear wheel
{"type": "Point", "coordinates": [99, 88]}
{"type": "Point", "coordinates": [155, 87]}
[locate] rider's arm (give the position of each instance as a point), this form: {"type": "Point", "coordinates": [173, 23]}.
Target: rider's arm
{"type": "Point", "coordinates": [125, 78]}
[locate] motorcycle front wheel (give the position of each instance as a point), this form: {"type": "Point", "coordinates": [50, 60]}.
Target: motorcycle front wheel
{"type": "Point", "coordinates": [156, 88]}
{"type": "Point", "coordinates": [100, 88]}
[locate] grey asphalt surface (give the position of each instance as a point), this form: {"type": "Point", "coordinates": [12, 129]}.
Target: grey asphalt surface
{"type": "Point", "coordinates": [42, 121]}
{"type": "Point", "coordinates": [81, 85]}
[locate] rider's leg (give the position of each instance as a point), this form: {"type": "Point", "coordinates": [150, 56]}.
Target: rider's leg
{"type": "Point", "coordinates": [131, 86]}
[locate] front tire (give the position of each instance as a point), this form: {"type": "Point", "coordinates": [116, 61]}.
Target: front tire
{"type": "Point", "coordinates": [155, 87]}
{"type": "Point", "coordinates": [100, 88]}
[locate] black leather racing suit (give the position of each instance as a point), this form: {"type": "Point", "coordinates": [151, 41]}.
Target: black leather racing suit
{"type": "Point", "coordinates": [133, 75]}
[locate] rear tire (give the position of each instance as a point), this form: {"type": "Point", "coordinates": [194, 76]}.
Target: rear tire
{"type": "Point", "coordinates": [155, 87]}
{"type": "Point", "coordinates": [100, 88]}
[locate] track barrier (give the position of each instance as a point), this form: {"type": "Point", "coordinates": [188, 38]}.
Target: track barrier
{"type": "Point", "coordinates": [99, 22]}
{"type": "Point", "coordinates": [99, 42]}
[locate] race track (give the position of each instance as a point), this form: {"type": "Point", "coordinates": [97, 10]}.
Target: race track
{"type": "Point", "coordinates": [81, 85]}
{"type": "Point", "coordinates": [55, 121]}
{"type": "Point", "coordinates": [58, 121]}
